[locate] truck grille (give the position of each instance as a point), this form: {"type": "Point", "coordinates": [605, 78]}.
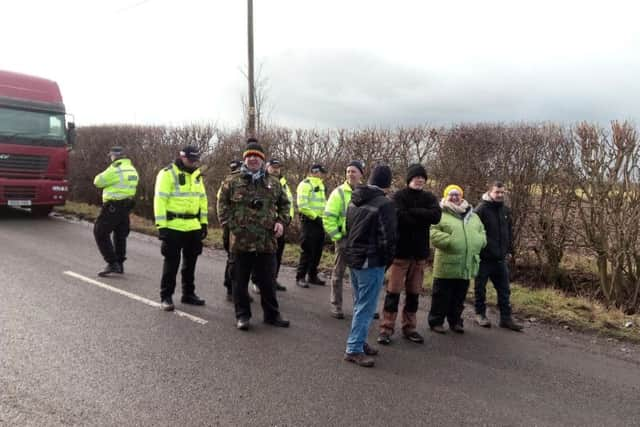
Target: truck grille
{"type": "Point", "coordinates": [23, 163]}
{"type": "Point", "coordinates": [19, 192]}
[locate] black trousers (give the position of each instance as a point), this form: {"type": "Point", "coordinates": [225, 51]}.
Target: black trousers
{"type": "Point", "coordinates": [113, 223]}
{"type": "Point", "coordinates": [447, 301]}
{"type": "Point", "coordinates": [498, 272]}
{"type": "Point", "coordinates": [228, 268]}
{"type": "Point", "coordinates": [179, 243]}
{"type": "Point", "coordinates": [263, 265]}
{"type": "Point", "coordinates": [277, 259]}
{"type": "Point", "coordinates": [311, 244]}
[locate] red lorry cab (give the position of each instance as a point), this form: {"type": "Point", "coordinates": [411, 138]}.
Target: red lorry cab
{"type": "Point", "coordinates": [34, 143]}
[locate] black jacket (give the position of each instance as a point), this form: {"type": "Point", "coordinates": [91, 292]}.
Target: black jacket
{"type": "Point", "coordinates": [417, 210]}
{"type": "Point", "coordinates": [371, 229]}
{"type": "Point", "coordinates": [496, 218]}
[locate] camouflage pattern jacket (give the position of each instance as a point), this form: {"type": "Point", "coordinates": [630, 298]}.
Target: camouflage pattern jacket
{"type": "Point", "coordinates": [250, 210]}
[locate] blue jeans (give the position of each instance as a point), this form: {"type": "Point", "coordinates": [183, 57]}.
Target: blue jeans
{"type": "Point", "coordinates": [366, 284]}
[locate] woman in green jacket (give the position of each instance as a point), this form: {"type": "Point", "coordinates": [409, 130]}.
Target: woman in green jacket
{"type": "Point", "coordinates": [458, 239]}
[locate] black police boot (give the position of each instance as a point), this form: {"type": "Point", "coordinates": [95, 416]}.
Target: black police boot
{"type": "Point", "coordinates": [315, 280]}
{"type": "Point", "coordinates": [277, 321]}
{"type": "Point", "coordinates": [112, 267]}
{"type": "Point", "coordinates": [243, 323]}
{"type": "Point", "coordinates": [192, 299]}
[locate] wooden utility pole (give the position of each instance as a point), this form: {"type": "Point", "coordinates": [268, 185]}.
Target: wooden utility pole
{"type": "Point", "coordinates": [251, 120]}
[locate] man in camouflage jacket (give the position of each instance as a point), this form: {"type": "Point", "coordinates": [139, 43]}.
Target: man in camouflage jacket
{"type": "Point", "coordinates": [255, 208]}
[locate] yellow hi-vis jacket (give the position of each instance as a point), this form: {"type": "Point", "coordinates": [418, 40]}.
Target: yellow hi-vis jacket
{"type": "Point", "coordinates": [334, 218]}
{"type": "Point", "coordinates": [287, 191]}
{"type": "Point", "coordinates": [311, 198]}
{"type": "Point", "coordinates": [118, 181]}
{"type": "Point", "coordinates": [179, 203]}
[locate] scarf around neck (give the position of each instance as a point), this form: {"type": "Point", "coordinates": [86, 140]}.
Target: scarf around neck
{"type": "Point", "coordinates": [255, 176]}
{"type": "Point", "coordinates": [463, 210]}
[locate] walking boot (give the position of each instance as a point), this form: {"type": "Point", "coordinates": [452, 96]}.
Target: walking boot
{"type": "Point", "coordinates": [482, 320]}
{"type": "Point", "coordinates": [360, 359]}
{"type": "Point", "coordinates": [336, 312]}
{"type": "Point", "coordinates": [370, 351]}
{"type": "Point", "coordinates": [511, 324]}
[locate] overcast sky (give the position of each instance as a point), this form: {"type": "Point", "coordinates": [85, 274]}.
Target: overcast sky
{"type": "Point", "coordinates": [332, 63]}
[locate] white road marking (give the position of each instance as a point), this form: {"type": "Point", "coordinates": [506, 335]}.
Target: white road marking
{"type": "Point", "coordinates": [133, 296]}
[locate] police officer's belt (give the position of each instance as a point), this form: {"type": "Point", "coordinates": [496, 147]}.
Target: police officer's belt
{"type": "Point", "coordinates": [121, 202]}
{"type": "Point", "coordinates": [174, 215]}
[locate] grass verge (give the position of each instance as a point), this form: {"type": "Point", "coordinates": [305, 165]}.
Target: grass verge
{"type": "Point", "coordinates": [549, 305]}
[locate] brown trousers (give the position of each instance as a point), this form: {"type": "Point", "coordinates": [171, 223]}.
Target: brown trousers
{"type": "Point", "coordinates": [407, 275]}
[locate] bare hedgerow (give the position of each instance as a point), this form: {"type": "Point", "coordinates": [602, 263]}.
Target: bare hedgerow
{"type": "Point", "coordinates": [608, 193]}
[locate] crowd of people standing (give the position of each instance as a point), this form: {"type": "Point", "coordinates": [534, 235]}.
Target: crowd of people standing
{"type": "Point", "coordinates": [375, 235]}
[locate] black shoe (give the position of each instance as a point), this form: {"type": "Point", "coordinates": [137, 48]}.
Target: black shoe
{"type": "Point", "coordinates": [191, 299]}
{"type": "Point", "coordinates": [458, 328]}
{"type": "Point", "coordinates": [384, 339]}
{"type": "Point", "coordinates": [112, 267]}
{"type": "Point", "coordinates": [414, 337]}
{"type": "Point", "coordinates": [280, 288]}
{"type": "Point", "coordinates": [278, 321]}
{"type": "Point", "coordinates": [302, 283]}
{"type": "Point", "coordinates": [511, 324]}
{"type": "Point", "coordinates": [243, 324]}
{"type": "Point", "coordinates": [229, 297]}
{"type": "Point", "coordinates": [167, 304]}
{"type": "Point", "coordinates": [315, 280]}
{"type": "Point", "coordinates": [120, 268]}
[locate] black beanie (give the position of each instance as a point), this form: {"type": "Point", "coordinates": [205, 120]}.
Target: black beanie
{"type": "Point", "coordinates": [357, 164]}
{"type": "Point", "coordinates": [414, 170]}
{"type": "Point", "coordinates": [381, 176]}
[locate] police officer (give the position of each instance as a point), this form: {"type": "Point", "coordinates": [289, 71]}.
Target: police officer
{"type": "Point", "coordinates": [334, 220]}
{"type": "Point", "coordinates": [234, 167]}
{"type": "Point", "coordinates": [311, 203]}
{"type": "Point", "coordinates": [255, 208]}
{"type": "Point", "coordinates": [118, 183]}
{"type": "Point", "coordinates": [180, 209]}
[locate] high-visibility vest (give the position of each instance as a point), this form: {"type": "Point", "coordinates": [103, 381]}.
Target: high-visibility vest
{"type": "Point", "coordinates": [180, 203]}
{"type": "Point", "coordinates": [334, 218]}
{"type": "Point", "coordinates": [118, 181]}
{"type": "Point", "coordinates": [311, 198]}
{"type": "Point", "coordinates": [287, 191]}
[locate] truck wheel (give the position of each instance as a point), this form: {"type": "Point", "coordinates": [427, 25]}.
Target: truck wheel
{"type": "Point", "coordinates": [41, 211]}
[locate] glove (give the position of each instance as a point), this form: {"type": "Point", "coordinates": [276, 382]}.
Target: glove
{"type": "Point", "coordinates": [204, 231]}
{"type": "Point", "coordinates": [163, 234]}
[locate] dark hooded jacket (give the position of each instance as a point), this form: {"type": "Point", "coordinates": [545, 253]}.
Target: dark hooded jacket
{"type": "Point", "coordinates": [371, 228]}
{"type": "Point", "coordinates": [496, 218]}
{"type": "Point", "coordinates": [417, 210]}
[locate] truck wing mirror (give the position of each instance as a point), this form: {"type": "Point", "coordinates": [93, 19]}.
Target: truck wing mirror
{"type": "Point", "coordinates": [71, 134]}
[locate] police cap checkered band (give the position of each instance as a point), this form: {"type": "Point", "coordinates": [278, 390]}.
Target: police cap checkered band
{"type": "Point", "coordinates": [190, 152]}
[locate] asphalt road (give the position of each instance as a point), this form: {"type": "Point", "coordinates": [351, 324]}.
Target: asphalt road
{"type": "Point", "coordinates": [74, 353]}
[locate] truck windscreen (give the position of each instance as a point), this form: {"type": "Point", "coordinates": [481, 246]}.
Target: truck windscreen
{"type": "Point", "coordinates": [32, 127]}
